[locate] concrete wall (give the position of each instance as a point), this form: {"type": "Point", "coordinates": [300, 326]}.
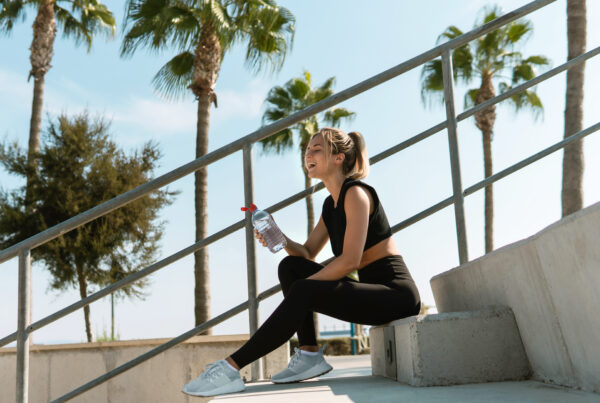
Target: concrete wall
{"type": "Point", "coordinates": [56, 370]}
{"type": "Point", "coordinates": [552, 283]}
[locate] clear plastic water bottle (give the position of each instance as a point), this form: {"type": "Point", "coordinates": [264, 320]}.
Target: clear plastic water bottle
{"type": "Point", "coordinates": [264, 224]}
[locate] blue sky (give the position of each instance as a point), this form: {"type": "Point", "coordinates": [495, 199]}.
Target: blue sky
{"type": "Point", "coordinates": [351, 42]}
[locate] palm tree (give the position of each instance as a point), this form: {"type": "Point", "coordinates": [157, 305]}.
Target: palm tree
{"type": "Point", "coordinates": [572, 194]}
{"type": "Point", "coordinates": [202, 31]}
{"type": "Point", "coordinates": [486, 60]}
{"type": "Point", "coordinates": [296, 95]}
{"type": "Point", "coordinates": [83, 20]}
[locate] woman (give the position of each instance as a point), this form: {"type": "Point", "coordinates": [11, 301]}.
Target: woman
{"type": "Point", "coordinates": [356, 225]}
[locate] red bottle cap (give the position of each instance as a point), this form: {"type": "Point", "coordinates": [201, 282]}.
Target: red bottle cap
{"type": "Point", "coordinates": [252, 208]}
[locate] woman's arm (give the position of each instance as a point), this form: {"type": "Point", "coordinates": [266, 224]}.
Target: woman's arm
{"type": "Point", "coordinates": [356, 206]}
{"type": "Point", "coordinates": [313, 245]}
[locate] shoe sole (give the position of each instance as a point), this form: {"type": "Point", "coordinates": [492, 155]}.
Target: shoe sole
{"type": "Point", "coordinates": [305, 376]}
{"type": "Point", "coordinates": [237, 387]}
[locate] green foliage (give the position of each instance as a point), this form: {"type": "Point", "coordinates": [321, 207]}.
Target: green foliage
{"type": "Point", "coordinates": [296, 95]}
{"type": "Point", "coordinates": [493, 54]}
{"type": "Point", "coordinates": [266, 29]}
{"type": "Point", "coordinates": [80, 19]}
{"type": "Point", "coordinates": [79, 168]}
{"type": "Point", "coordinates": [105, 336]}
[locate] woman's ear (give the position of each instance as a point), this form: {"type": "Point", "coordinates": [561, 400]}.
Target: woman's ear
{"type": "Point", "coordinates": [340, 157]}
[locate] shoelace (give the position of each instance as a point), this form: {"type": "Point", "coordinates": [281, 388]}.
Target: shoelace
{"type": "Point", "coordinates": [296, 358]}
{"type": "Point", "coordinates": [212, 371]}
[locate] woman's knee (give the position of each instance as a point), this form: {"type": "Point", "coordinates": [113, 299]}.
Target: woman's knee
{"type": "Point", "coordinates": [288, 267]}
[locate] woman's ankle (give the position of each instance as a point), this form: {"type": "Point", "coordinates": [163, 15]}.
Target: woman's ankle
{"type": "Point", "coordinates": [312, 349]}
{"type": "Point", "coordinates": [232, 363]}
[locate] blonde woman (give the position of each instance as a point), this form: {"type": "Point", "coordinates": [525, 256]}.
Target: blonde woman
{"type": "Point", "coordinates": [354, 222]}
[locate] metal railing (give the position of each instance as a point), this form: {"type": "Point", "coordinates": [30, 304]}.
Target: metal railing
{"type": "Point", "coordinates": [244, 144]}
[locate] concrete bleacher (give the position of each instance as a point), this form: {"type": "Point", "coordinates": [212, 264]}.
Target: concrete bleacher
{"type": "Point", "coordinates": [529, 310]}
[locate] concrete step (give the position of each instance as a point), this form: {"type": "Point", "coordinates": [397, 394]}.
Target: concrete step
{"type": "Point", "coordinates": [450, 348]}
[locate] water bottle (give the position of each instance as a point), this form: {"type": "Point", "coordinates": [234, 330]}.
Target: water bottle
{"type": "Point", "coordinates": [264, 224]}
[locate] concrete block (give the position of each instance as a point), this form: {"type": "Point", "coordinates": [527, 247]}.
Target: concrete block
{"type": "Point", "coordinates": [454, 348]}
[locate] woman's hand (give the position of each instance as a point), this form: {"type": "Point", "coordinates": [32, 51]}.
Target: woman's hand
{"type": "Point", "coordinates": [260, 238]}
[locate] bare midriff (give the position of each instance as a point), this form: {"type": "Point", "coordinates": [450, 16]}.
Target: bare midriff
{"type": "Point", "coordinates": [385, 248]}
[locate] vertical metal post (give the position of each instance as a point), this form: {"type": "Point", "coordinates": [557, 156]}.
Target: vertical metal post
{"type": "Point", "coordinates": [112, 316]}
{"type": "Point", "coordinates": [23, 322]}
{"type": "Point", "coordinates": [459, 208]}
{"type": "Point", "coordinates": [256, 367]}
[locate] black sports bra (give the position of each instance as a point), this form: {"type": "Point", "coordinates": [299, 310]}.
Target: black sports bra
{"type": "Point", "coordinates": [335, 219]}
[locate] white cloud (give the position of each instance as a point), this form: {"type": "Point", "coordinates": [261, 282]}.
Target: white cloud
{"type": "Point", "coordinates": [245, 104]}
{"type": "Point", "coordinates": [156, 116]}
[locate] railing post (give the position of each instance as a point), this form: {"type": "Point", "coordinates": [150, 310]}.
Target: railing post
{"type": "Point", "coordinates": [23, 322]}
{"type": "Point", "coordinates": [459, 208]}
{"type": "Point", "coordinates": [256, 367]}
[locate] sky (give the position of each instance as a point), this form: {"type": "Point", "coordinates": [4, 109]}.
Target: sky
{"type": "Point", "coordinates": [352, 41]}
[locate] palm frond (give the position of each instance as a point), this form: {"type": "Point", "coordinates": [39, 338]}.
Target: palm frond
{"type": "Point", "coordinates": [518, 30]}
{"type": "Point", "coordinates": [450, 33]}
{"type": "Point", "coordinates": [174, 78]}
{"type": "Point", "coordinates": [462, 63]}
{"type": "Point", "coordinates": [280, 98]}
{"type": "Point", "coordinates": [522, 72]}
{"type": "Point", "coordinates": [11, 11]}
{"type": "Point", "coordinates": [323, 91]}
{"type": "Point", "coordinates": [270, 32]}
{"type": "Point", "coordinates": [156, 23]}
{"type": "Point", "coordinates": [432, 82]}
{"type": "Point", "coordinates": [279, 142]}
{"type": "Point", "coordinates": [525, 100]}
{"type": "Point", "coordinates": [92, 18]}
{"type": "Point", "coordinates": [538, 60]}
{"type": "Point", "coordinates": [298, 89]}
{"type": "Point", "coordinates": [470, 98]}
{"type": "Point", "coordinates": [334, 116]}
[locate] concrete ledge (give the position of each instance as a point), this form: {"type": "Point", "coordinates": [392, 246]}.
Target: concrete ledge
{"type": "Point", "coordinates": [551, 281]}
{"type": "Point", "coordinates": [451, 348]}
{"type": "Point", "coordinates": [58, 369]}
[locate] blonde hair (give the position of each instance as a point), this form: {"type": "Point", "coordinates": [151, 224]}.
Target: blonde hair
{"type": "Point", "coordinates": [352, 145]}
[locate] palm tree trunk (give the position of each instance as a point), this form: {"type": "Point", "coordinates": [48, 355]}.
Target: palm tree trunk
{"type": "Point", "coordinates": [489, 192]}
{"type": "Point", "coordinates": [572, 193]}
{"type": "Point", "coordinates": [86, 309]}
{"type": "Point", "coordinates": [207, 62]}
{"type": "Point", "coordinates": [484, 120]}
{"type": "Point", "coordinates": [42, 45]}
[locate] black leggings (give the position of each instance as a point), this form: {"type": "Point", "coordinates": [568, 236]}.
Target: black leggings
{"type": "Point", "coordinates": [384, 293]}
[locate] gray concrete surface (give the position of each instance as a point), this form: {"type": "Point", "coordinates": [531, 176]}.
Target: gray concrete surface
{"type": "Point", "coordinates": [451, 349]}
{"type": "Point", "coordinates": [342, 386]}
{"type": "Point", "coordinates": [552, 283]}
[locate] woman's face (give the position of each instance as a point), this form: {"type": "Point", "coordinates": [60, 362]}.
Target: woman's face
{"type": "Point", "coordinates": [317, 163]}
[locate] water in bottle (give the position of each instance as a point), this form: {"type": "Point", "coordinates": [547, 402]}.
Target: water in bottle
{"type": "Point", "coordinates": [264, 224]}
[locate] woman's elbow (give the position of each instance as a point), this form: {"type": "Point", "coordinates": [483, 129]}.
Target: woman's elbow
{"type": "Point", "coordinates": [351, 262]}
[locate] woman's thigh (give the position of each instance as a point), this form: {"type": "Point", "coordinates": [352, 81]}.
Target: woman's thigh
{"type": "Point", "coordinates": [293, 268]}
{"type": "Point", "coordinates": [368, 304]}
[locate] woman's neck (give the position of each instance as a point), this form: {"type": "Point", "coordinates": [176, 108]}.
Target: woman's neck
{"type": "Point", "coordinates": [334, 184]}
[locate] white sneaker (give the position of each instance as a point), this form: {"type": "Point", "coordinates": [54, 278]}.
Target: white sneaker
{"type": "Point", "coordinates": [219, 378]}
{"type": "Point", "coordinates": [302, 367]}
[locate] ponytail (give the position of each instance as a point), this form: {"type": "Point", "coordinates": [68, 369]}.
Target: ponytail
{"type": "Point", "coordinates": [360, 168]}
